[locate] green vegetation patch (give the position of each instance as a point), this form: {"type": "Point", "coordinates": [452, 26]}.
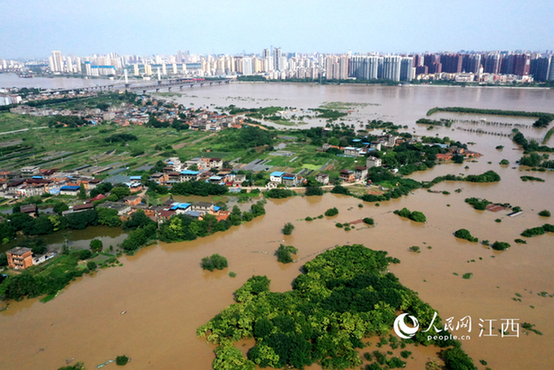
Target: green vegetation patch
{"type": "Point", "coordinates": [465, 234]}
{"type": "Point", "coordinates": [344, 296]}
{"type": "Point", "coordinates": [531, 178]}
{"type": "Point", "coordinates": [284, 253]}
{"type": "Point", "coordinates": [535, 231]}
{"type": "Point", "coordinates": [414, 216]}
{"type": "Point", "coordinates": [543, 119]}
{"type": "Point", "coordinates": [214, 262]}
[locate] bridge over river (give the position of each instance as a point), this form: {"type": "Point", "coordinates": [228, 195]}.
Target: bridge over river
{"type": "Point", "coordinates": [159, 85]}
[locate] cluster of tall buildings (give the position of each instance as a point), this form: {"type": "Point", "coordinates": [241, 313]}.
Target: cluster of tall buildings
{"type": "Point", "coordinates": [538, 66]}
{"type": "Point", "coordinates": [273, 63]}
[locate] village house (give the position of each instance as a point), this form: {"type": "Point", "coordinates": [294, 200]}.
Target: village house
{"type": "Point", "coordinates": [189, 175]}
{"type": "Point", "coordinates": [133, 200]}
{"type": "Point", "coordinates": [289, 179]}
{"type": "Point", "coordinates": [30, 209]}
{"type": "Point", "coordinates": [122, 208]}
{"type": "Point", "coordinates": [202, 207]}
{"type": "Point", "coordinates": [322, 178]}
{"type": "Point", "coordinates": [276, 176]}
{"type": "Point", "coordinates": [346, 175]}
{"type": "Point", "coordinates": [19, 258]}
{"type": "Point", "coordinates": [159, 178]}
{"type": "Point", "coordinates": [375, 145]}
{"type": "Point", "coordinates": [180, 208]}
{"type": "Point", "coordinates": [360, 172]}
{"type": "Point", "coordinates": [373, 162]}
{"type": "Point", "coordinates": [72, 190]}
{"type": "Point", "coordinates": [29, 171]}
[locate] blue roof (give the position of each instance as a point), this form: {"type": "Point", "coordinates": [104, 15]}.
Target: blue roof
{"type": "Point", "coordinates": [175, 206]}
{"type": "Point", "coordinates": [349, 148]}
{"type": "Point", "coordinates": [189, 172]}
{"type": "Point", "coordinates": [216, 208]}
{"type": "Point", "coordinates": [37, 177]}
{"type": "Point", "coordinates": [136, 178]}
{"type": "Point", "coordinates": [288, 177]}
{"type": "Point", "coordinates": [356, 140]}
{"type": "Point", "coordinates": [216, 178]}
{"type": "Point", "coordinates": [68, 187]}
{"type": "Point", "coordinates": [192, 213]}
{"type": "Point", "coordinates": [277, 174]}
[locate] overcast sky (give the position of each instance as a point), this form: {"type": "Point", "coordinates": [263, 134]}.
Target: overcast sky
{"type": "Point", "coordinates": [33, 28]}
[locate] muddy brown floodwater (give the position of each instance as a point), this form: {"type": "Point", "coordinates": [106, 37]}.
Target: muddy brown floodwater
{"type": "Point", "coordinates": [167, 296]}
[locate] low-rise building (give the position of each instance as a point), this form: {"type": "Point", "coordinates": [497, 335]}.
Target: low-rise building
{"type": "Point", "coordinates": [347, 175]}
{"type": "Point", "coordinates": [30, 209]}
{"type": "Point", "coordinates": [202, 207]}
{"type": "Point", "coordinates": [121, 207]}
{"type": "Point", "coordinates": [276, 176]}
{"type": "Point", "coordinates": [373, 162]}
{"type": "Point", "coordinates": [360, 172]}
{"type": "Point", "coordinates": [19, 258]}
{"type": "Point", "coordinates": [289, 179]}
{"type": "Point", "coordinates": [322, 178]}
{"type": "Point", "coordinates": [72, 190]}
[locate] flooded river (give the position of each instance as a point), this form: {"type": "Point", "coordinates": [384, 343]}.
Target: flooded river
{"type": "Point", "coordinates": [167, 295]}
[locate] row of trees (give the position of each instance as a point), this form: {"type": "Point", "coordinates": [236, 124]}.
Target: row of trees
{"type": "Point", "coordinates": [543, 119]}
{"type": "Point", "coordinates": [182, 227]}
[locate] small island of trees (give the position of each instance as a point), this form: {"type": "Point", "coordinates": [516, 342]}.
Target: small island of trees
{"type": "Point", "coordinates": [414, 216]}
{"type": "Point", "coordinates": [214, 262]}
{"type": "Point", "coordinates": [465, 234]}
{"type": "Point", "coordinates": [284, 253]}
{"type": "Point", "coordinates": [343, 296]}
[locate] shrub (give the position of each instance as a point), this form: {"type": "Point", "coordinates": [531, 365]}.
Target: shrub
{"type": "Point", "coordinates": [414, 216]}
{"type": "Point", "coordinates": [465, 234]}
{"type": "Point", "coordinates": [232, 274]}
{"type": "Point", "coordinates": [338, 224]}
{"type": "Point", "coordinates": [467, 275]}
{"type": "Point", "coordinates": [91, 265]}
{"type": "Point", "coordinates": [331, 212]}
{"type": "Point", "coordinates": [96, 245]}
{"type": "Point", "coordinates": [215, 261]}
{"type": "Point", "coordinates": [498, 220]}
{"type": "Point", "coordinates": [415, 249]}
{"type": "Point", "coordinates": [368, 221]}
{"type": "Point", "coordinates": [533, 232]}
{"type": "Point", "coordinates": [520, 241]}
{"type": "Point", "coordinates": [544, 213]}
{"type": "Point", "coordinates": [309, 218]}
{"type": "Point", "coordinates": [287, 229]}
{"type": "Point", "coordinates": [284, 252]}
{"type": "Point", "coordinates": [418, 217]}
{"type": "Point", "coordinates": [504, 162]}
{"type": "Point", "coordinates": [121, 360]}
{"type": "Point", "coordinates": [500, 246]}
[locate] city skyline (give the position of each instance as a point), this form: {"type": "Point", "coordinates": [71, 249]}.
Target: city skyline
{"type": "Point", "coordinates": [33, 29]}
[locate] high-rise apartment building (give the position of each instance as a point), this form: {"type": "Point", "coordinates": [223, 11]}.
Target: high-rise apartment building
{"type": "Point", "coordinates": [540, 68]}
{"type": "Point", "coordinates": [277, 55]}
{"type": "Point", "coordinates": [364, 67]}
{"type": "Point", "coordinates": [407, 69]}
{"type": "Point", "coordinates": [492, 63]}
{"type": "Point", "coordinates": [391, 67]}
{"type": "Point", "coordinates": [56, 61]}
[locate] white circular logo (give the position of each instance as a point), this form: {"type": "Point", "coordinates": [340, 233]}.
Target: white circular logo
{"type": "Point", "coordinates": [403, 330]}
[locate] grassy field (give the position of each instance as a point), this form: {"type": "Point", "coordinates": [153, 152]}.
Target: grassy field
{"type": "Point", "coordinates": [69, 148]}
